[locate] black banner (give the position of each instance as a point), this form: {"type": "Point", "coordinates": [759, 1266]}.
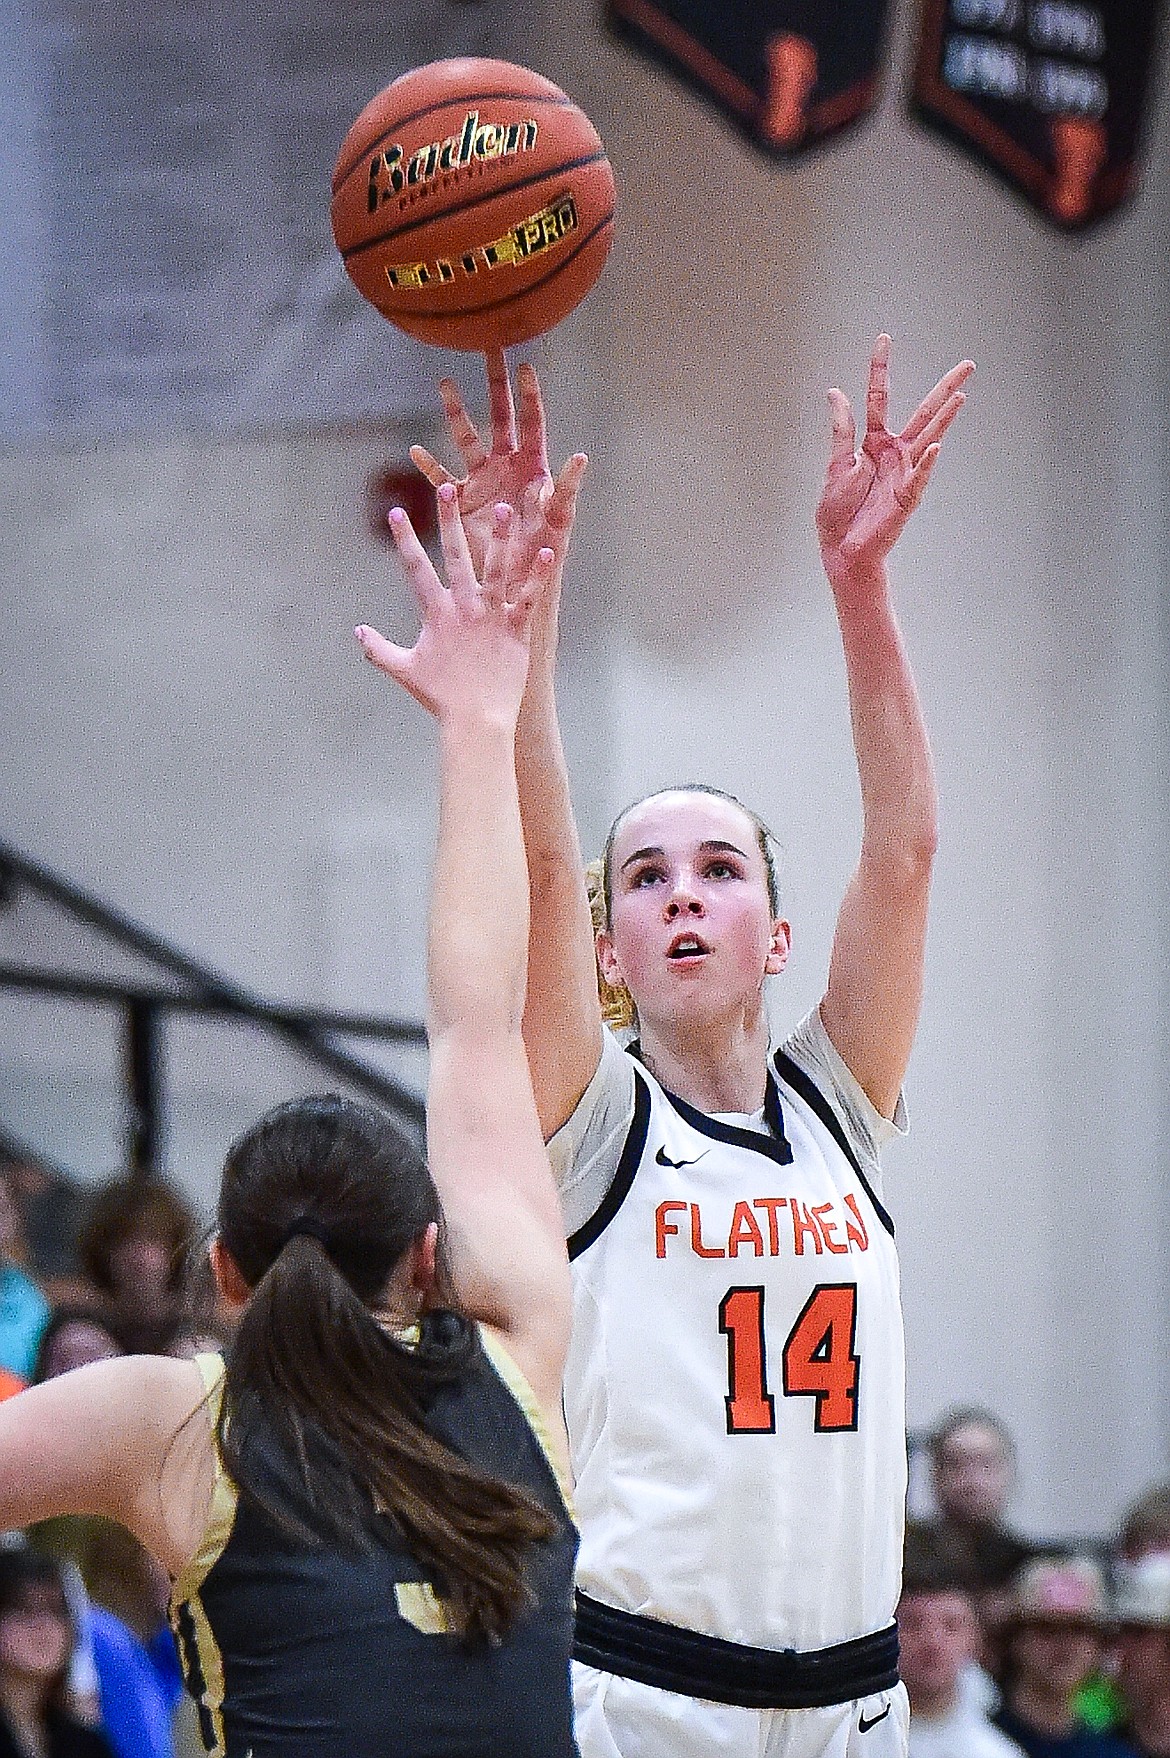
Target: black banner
{"type": "Point", "coordinates": [787, 72]}
{"type": "Point", "coordinates": [1053, 95]}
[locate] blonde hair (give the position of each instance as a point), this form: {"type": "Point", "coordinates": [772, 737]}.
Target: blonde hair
{"type": "Point", "coordinates": [617, 1004]}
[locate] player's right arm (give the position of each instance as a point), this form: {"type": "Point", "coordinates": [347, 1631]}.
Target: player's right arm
{"type": "Point", "coordinates": [562, 1015]}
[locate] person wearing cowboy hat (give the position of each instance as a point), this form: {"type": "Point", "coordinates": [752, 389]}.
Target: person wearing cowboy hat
{"type": "Point", "coordinates": [1142, 1613]}
{"type": "Point", "coordinates": [1054, 1639]}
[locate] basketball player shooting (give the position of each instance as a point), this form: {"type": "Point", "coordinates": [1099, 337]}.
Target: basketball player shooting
{"type": "Point", "coordinates": [735, 1382]}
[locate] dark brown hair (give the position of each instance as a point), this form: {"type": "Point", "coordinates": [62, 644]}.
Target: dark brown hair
{"type": "Point", "coordinates": [129, 1206]}
{"type": "Point", "coordinates": [319, 1202]}
{"type": "Point", "coordinates": [969, 1416]}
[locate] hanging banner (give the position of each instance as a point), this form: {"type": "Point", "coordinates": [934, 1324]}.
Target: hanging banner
{"type": "Point", "coordinates": [786, 72]}
{"type": "Point", "coordinates": [1053, 95]}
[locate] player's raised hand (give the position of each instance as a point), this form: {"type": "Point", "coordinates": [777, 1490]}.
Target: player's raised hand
{"type": "Point", "coordinates": [514, 462]}
{"type": "Point", "coordinates": [471, 655]}
{"type": "Point", "coordinates": [869, 493]}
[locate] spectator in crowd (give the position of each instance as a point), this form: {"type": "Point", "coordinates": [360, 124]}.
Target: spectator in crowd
{"type": "Point", "coordinates": [124, 1662]}
{"type": "Point", "coordinates": [133, 1249]}
{"type": "Point", "coordinates": [1145, 1531]}
{"type": "Point", "coordinates": [73, 1337]}
{"type": "Point", "coordinates": [972, 1469]}
{"type": "Point", "coordinates": [24, 1311]}
{"type": "Point", "coordinates": [36, 1639]}
{"type": "Point", "coordinates": [939, 1638]}
{"type": "Point", "coordinates": [1143, 1653]}
{"type": "Point", "coordinates": [1054, 1641]}
{"type": "Point", "coordinates": [1145, 1526]}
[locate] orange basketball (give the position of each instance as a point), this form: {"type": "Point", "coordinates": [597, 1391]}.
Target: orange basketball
{"type": "Point", "coordinates": [473, 203]}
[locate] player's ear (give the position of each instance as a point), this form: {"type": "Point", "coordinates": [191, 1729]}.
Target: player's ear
{"type": "Point", "coordinates": [228, 1279]}
{"type": "Point", "coordinates": [607, 959]}
{"type": "Point", "coordinates": [779, 948]}
{"type": "Point", "coordinates": [423, 1259]}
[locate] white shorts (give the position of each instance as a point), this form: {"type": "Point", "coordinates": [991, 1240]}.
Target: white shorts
{"type": "Point", "coordinates": [620, 1718]}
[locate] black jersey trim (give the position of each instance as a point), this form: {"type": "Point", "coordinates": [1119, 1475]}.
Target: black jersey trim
{"type": "Point", "coordinates": [774, 1146]}
{"type": "Point", "coordinates": [619, 1189]}
{"type": "Point", "coordinates": [803, 1084]}
{"type": "Point", "coordinates": [718, 1671]}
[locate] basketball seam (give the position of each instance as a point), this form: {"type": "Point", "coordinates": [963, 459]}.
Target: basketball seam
{"type": "Point", "coordinates": [464, 206]}
{"type": "Point", "coordinates": [402, 122]}
{"type": "Point", "coordinates": [436, 316]}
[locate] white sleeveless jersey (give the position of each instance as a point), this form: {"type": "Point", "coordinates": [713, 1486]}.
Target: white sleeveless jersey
{"type": "Point", "coordinates": [735, 1383]}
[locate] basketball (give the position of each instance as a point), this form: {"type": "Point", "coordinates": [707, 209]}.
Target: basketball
{"type": "Point", "coordinates": [473, 203]}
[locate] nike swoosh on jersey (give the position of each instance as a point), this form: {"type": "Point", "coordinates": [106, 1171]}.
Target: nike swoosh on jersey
{"type": "Point", "coordinates": [664, 1159]}
{"type": "Point", "coordinates": [863, 1726]}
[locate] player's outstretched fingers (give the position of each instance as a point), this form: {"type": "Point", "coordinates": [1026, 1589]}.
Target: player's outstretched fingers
{"type": "Point", "coordinates": [464, 433]}
{"type": "Point", "coordinates": [877, 397]}
{"type": "Point", "coordinates": [494, 586]}
{"type": "Point", "coordinates": [416, 564]}
{"type": "Point", "coordinates": [916, 486]}
{"type": "Point", "coordinates": [936, 426]}
{"type": "Point", "coordinates": [843, 445]}
{"type": "Point", "coordinates": [456, 555]}
{"type": "Point", "coordinates": [394, 661]}
{"type": "Point", "coordinates": [537, 581]}
{"type": "Point", "coordinates": [533, 432]}
{"type": "Point", "coordinates": [560, 504]}
{"type": "Point", "coordinates": [428, 465]}
{"type": "Point", "coordinates": [936, 399]}
{"type": "Point", "coordinates": [501, 409]}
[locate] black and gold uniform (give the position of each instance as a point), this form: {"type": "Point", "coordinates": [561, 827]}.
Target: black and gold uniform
{"type": "Point", "coordinates": [296, 1650]}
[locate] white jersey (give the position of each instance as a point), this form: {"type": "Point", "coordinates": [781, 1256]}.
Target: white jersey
{"type": "Point", "coordinates": [735, 1383]}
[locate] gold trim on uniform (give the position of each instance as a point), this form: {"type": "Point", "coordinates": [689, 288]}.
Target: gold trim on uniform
{"type": "Point", "coordinates": [516, 1383]}
{"type": "Point", "coordinates": [221, 1515]}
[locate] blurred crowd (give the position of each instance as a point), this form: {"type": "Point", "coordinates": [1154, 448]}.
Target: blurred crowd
{"type": "Point", "coordinates": [87, 1664]}
{"type": "Point", "coordinates": [1011, 1646]}
{"type": "Point", "coordinates": [1016, 1648]}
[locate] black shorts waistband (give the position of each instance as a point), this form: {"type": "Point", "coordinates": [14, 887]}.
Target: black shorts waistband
{"type": "Point", "coordinates": [681, 1660]}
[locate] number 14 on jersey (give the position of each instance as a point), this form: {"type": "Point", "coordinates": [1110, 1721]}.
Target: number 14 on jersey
{"type": "Point", "coordinates": [819, 1360]}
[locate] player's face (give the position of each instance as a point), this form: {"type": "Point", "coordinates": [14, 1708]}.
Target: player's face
{"type": "Point", "coordinates": [691, 926]}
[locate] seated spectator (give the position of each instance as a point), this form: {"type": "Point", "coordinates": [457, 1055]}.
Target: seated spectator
{"type": "Point", "coordinates": [939, 1639]}
{"type": "Point", "coordinates": [124, 1665]}
{"type": "Point", "coordinates": [1054, 1642]}
{"type": "Point", "coordinates": [36, 1639]}
{"type": "Point", "coordinates": [24, 1311]}
{"type": "Point", "coordinates": [1145, 1531]}
{"type": "Point", "coordinates": [1145, 1526]}
{"type": "Point", "coordinates": [73, 1337]}
{"type": "Point", "coordinates": [1143, 1653]}
{"type": "Point", "coordinates": [972, 1467]}
{"type": "Point", "coordinates": [134, 1249]}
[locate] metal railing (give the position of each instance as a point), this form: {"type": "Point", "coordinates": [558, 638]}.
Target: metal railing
{"type": "Point", "coordinates": [144, 1005]}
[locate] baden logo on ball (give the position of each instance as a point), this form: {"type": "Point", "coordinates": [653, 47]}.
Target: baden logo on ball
{"type": "Point", "coordinates": [473, 203]}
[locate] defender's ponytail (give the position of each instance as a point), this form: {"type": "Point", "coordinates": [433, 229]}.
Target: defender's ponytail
{"type": "Point", "coordinates": [319, 1202]}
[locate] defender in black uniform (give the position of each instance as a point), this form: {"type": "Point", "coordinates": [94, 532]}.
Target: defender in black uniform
{"type": "Point", "coordinates": [363, 1504]}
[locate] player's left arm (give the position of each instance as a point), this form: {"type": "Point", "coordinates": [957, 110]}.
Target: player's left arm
{"type": "Point", "coordinates": [871, 1005]}
{"type": "Point", "coordinates": [484, 1144]}
{"type": "Point", "coordinates": [96, 1441]}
